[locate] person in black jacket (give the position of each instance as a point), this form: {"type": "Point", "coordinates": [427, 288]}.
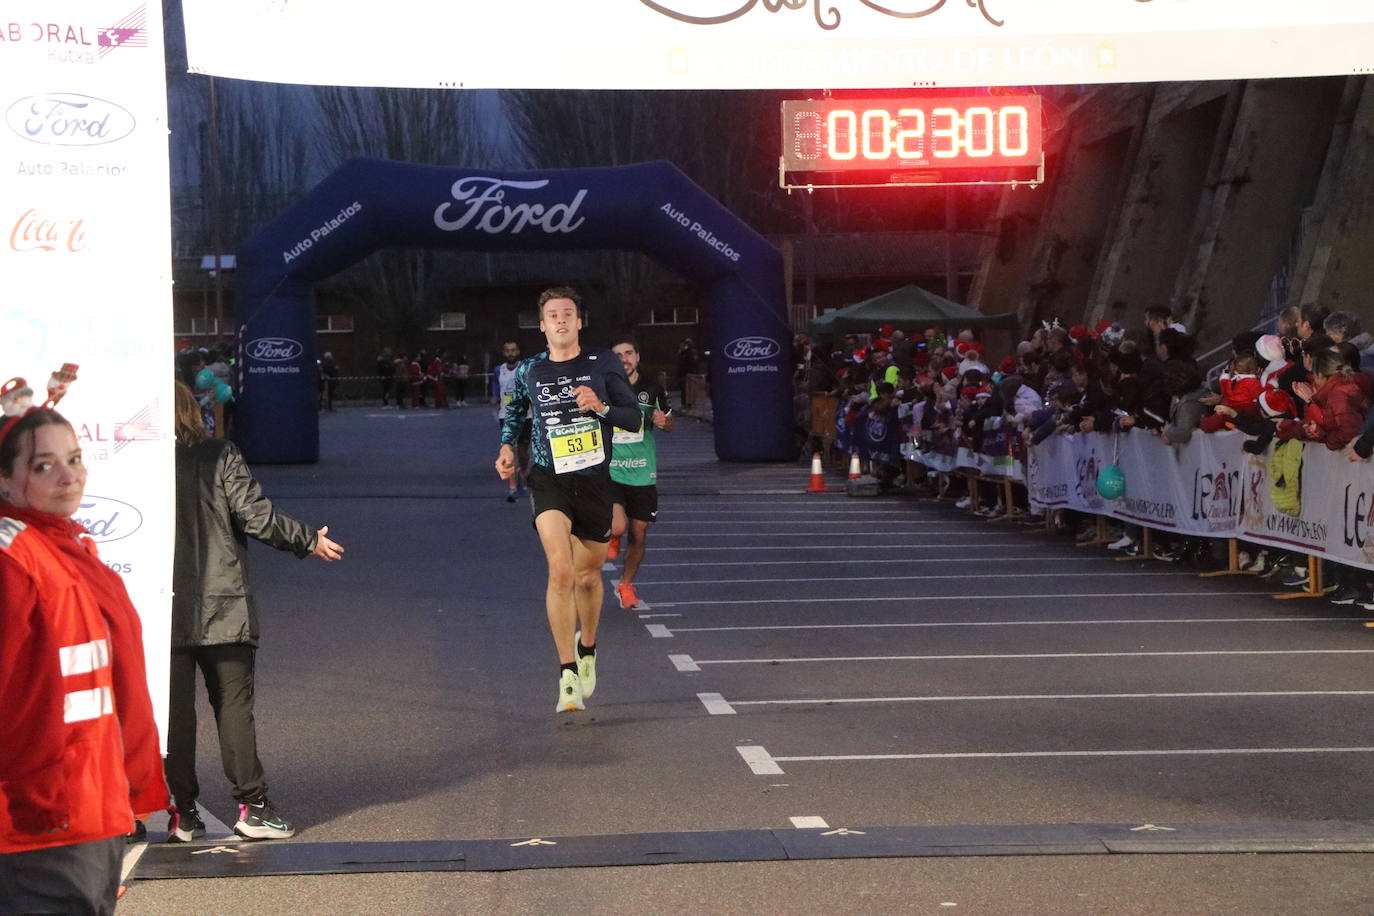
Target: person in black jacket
{"type": "Point", "coordinates": [215, 622]}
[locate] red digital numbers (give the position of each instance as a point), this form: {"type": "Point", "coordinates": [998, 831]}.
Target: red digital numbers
{"type": "Point", "coordinates": [867, 134]}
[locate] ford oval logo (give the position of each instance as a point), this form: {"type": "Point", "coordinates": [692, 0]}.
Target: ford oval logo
{"type": "Point", "coordinates": [747, 348]}
{"type": "Point", "coordinates": [108, 519]}
{"type": "Point", "coordinates": [274, 349]}
{"type": "Point", "coordinates": [69, 119]}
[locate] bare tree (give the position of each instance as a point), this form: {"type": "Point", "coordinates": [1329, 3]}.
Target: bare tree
{"type": "Point", "coordinates": [401, 288]}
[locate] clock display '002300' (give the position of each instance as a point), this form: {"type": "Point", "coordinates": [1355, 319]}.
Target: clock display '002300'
{"type": "Point", "coordinates": [912, 141]}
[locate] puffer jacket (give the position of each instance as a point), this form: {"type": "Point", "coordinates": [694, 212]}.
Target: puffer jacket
{"type": "Point", "coordinates": [1340, 408]}
{"type": "Point", "coordinates": [220, 506]}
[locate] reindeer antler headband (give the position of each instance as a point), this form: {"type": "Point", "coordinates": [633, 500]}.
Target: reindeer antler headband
{"type": "Point", "coordinates": [16, 397]}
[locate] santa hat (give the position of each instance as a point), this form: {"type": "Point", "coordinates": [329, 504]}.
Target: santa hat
{"type": "Point", "coordinates": [949, 372]}
{"type": "Point", "coordinates": [970, 392]}
{"type": "Point", "coordinates": [885, 330]}
{"type": "Point", "coordinates": [961, 347]}
{"type": "Point", "coordinates": [1277, 403]}
{"type": "Point", "coordinates": [1269, 348]}
{"type": "Point", "coordinates": [1077, 333]}
{"type": "Point", "coordinates": [1007, 366]}
{"type": "Point", "coordinates": [881, 346]}
{"type": "Point", "coordinates": [975, 348]}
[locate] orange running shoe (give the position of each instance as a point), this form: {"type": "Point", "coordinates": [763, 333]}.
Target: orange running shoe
{"type": "Point", "coordinates": [626, 593]}
{"type": "Point", "coordinates": [613, 549]}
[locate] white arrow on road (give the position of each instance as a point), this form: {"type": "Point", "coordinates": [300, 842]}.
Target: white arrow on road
{"type": "Point", "coordinates": [843, 831]}
{"type": "Point", "coordinates": [214, 850]}
{"type": "Point", "coordinates": [1151, 828]}
{"type": "Point", "coordinates": [536, 842]}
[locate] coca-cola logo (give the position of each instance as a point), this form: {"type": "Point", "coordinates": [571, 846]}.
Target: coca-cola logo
{"type": "Point", "coordinates": [479, 203]}
{"type": "Point", "coordinates": [35, 231]}
{"type": "Point", "coordinates": [274, 349]}
{"type": "Point", "coordinates": [69, 119]}
{"type": "Point", "coordinates": [108, 519]}
{"type": "Point", "coordinates": [751, 348]}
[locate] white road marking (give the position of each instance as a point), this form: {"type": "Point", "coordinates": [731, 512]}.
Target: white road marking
{"type": "Point", "coordinates": [758, 759]}
{"type": "Point", "coordinates": [809, 823]}
{"type": "Point", "coordinates": [963, 576]}
{"type": "Point", "coordinates": [681, 660]}
{"type": "Point", "coordinates": [647, 616]}
{"type": "Point", "coordinates": [1023, 697]}
{"type": "Point", "coordinates": [714, 523]}
{"type": "Point", "coordinates": [868, 561]}
{"type": "Point", "coordinates": [812, 534]}
{"type": "Point", "coordinates": [658, 631]}
{"type": "Point", "coordinates": [942, 546]}
{"type": "Point", "coordinates": [868, 598]}
{"type": "Point", "coordinates": [608, 566]}
{"type": "Point", "coordinates": [1008, 623]}
{"type": "Point", "coordinates": [715, 704]}
{"type": "Point", "coordinates": [683, 663]}
{"type": "Point", "coordinates": [767, 759]}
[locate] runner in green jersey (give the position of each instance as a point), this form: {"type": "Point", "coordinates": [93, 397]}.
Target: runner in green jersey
{"type": "Point", "coordinates": [634, 470]}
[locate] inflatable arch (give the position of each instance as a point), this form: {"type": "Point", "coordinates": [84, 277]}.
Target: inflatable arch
{"type": "Point", "coordinates": [651, 207]}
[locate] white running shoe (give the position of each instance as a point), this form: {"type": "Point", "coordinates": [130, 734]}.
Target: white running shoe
{"type": "Point", "coordinates": [963, 503]}
{"type": "Point", "coordinates": [569, 693]}
{"type": "Point", "coordinates": [586, 668]}
{"type": "Point", "coordinates": [1121, 543]}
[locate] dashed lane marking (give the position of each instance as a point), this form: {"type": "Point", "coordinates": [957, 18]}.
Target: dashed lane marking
{"type": "Point", "coordinates": [758, 760]}
{"type": "Point", "coordinates": [869, 598]}
{"type": "Point", "coordinates": [809, 823]}
{"type": "Point", "coordinates": [718, 702]}
{"type": "Point", "coordinates": [683, 662]}
{"type": "Point", "coordinates": [1003, 623]}
{"type": "Point", "coordinates": [715, 704]}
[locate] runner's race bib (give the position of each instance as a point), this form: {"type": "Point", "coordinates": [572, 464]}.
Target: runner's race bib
{"type": "Point", "coordinates": [625, 437]}
{"type": "Point", "coordinates": [576, 445]}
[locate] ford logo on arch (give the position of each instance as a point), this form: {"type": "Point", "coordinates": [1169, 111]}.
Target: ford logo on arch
{"type": "Point", "coordinates": [274, 349]}
{"type": "Point", "coordinates": [108, 519]}
{"type": "Point", "coordinates": [69, 119]}
{"type": "Point", "coordinates": [749, 348]}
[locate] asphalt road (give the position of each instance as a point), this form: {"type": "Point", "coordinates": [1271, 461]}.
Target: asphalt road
{"type": "Point", "coordinates": [861, 661]}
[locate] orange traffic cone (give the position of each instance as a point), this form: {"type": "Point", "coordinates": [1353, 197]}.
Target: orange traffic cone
{"type": "Point", "coordinates": [854, 470]}
{"type": "Point", "coordinates": [817, 484]}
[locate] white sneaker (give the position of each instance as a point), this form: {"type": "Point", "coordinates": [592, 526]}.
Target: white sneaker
{"type": "Point", "coordinates": [569, 693]}
{"type": "Point", "coordinates": [963, 503]}
{"type": "Point", "coordinates": [586, 668]}
{"type": "Point", "coordinates": [1259, 564]}
{"type": "Point", "coordinates": [1121, 543]}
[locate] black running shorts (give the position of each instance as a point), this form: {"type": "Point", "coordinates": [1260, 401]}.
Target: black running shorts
{"type": "Point", "coordinates": [583, 498]}
{"type": "Point", "coordinates": [641, 503]}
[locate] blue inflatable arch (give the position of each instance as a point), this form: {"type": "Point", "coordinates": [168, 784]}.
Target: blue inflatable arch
{"type": "Point", "coordinates": [652, 207]}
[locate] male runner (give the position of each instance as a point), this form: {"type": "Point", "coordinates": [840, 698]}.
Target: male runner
{"type": "Point", "coordinates": [576, 396]}
{"type": "Point", "coordinates": [634, 470]}
{"type": "Point", "coordinates": [502, 387]}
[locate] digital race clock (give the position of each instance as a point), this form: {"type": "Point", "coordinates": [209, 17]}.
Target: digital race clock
{"type": "Point", "coordinates": [912, 141]}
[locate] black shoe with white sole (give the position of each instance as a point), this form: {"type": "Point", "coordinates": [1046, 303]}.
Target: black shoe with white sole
{"type": "Point", "coordinates": [257, 821]}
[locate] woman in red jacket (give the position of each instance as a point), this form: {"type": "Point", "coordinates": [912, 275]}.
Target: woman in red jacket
{"type": "Point", "coordinates": [1336, 404]}
{"type": "Point", "coordinates": [80, 753]}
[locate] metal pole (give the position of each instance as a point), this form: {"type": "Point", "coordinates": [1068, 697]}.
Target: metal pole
{"type": "Point", "coordinates": [216, 230]}
{"type": "Point", "coordinates": [951, 276]}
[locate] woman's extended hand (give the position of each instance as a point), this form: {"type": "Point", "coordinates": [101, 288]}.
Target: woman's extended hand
{"type": "Point", "coordinates": [326, 549]}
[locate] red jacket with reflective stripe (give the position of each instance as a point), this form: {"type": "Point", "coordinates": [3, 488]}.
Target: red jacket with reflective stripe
{"type": "Point", "coordinates": [79, 755]}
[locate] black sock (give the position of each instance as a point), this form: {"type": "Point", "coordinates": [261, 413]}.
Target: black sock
{"type": "Point", "coordinates": [570, 666]}
{"type": "Point", "coordinates": [584, 651]}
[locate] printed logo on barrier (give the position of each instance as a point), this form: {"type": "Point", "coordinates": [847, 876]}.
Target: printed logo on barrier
{"type": "Point", "coordinates": [108, 519]}
{"type": "Point", "coordinates": [1216, 497]}
{"type": "Point", "coordinates": [1357, 524]}
{"type": "Point", "coordinates": [1253, 500]}
{"type": "Point", "coordinates": [69, 119]}
{"type": "Point", "coordinates": [752, 348]}
{"type": "Point", "coordinates": [273, 349]}
{"type": "Point", "coordinates": [129, 32]}
{"type": "Point", "coordinates": [80, 43]}
{"type": "Point", "coordinates": [141, 427]}
{"type": "Point", "coordinates": [480, 203]}
{"type": "Point", "coordinates": [1086, 484]}
{"type": "Point", "coordinates": [37, 231]}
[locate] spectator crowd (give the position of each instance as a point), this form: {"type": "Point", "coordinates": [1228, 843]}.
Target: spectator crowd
{"type": "Point", "coordinates": [1310, 380]}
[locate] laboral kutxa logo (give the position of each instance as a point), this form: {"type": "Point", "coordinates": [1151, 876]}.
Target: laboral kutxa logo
{"type": "Point", "coordinates": [108, 519]}
{"type": "Point", "coordinates": [752, 348]}
{"type": "Point", "coordinates": [68, 119]}
{"type": "Point", "coordinates": [79, 42]}
{"type": "Point", "coordinates": [273, 349]}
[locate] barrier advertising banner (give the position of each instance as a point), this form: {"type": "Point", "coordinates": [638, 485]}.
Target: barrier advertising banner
{"type": "Point", "coordinates": [86, 268]}
{"type": "Point", "coordinates": [1212, 487]}
{"type": "Point", "coordinates": [738, 44]}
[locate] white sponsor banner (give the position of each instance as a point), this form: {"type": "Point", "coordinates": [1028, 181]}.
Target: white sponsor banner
{"type": "Point", "coordinates": [86, 265]}
{"type": "Point", "coordinates": [780, 44]}
{"type": "Point", "coordinates": [1212, 487]}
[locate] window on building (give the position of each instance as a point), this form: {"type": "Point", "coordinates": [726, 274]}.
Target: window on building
{"type": "Point", "coordinates": [450, 321]}
{"type": "Point", "coordinates": [683, 314]}
{"type": "Point", "coordinates": [334, 324]}
{"type": "Point", "coordinates": [196, 327]}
